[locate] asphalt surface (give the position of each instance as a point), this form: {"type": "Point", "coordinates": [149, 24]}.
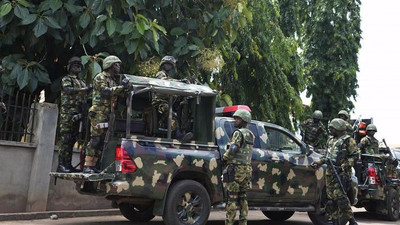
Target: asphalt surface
{"type": "Point", "coordinates": [216, 218]}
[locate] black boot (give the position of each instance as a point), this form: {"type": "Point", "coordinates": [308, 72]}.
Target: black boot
{"type": "Point", "coordinates": [352, 221]}
{"type": "Point", "coordinates": [183, 136]}
{"type": "Point", "coordinates": [72, 169]}
{"type": "Point", "coordinates": [62, 167]}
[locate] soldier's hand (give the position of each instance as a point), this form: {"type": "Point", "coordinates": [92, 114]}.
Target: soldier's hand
{"type": "Point", "coordinates": [125, 83]}
{"type": "Point", "coordinates": [314, 165]}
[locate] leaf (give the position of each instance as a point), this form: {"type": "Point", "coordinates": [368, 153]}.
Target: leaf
{"type": "Point", "coordinates": [95, 68]}
{"type": "Point", "coordinates": [55, 5]}
{"type": "Point", "coordinates": [40, 28]}
{"type": "Point", "coordinates": [101, 18]}
{"type": "Point", "coordinates": [33, 83]}
{"type": "Point", "coordinates": [160, 28]}
{"type": "Point", "coordinates": [110, 24]}
{"type": "Point", "coordinates": [85, 59]}
{"type": "Point", "coordinates": [198, 41]}
{"type": "Point", "coordinates": [42, 76]}
{"type": "Point", "coordinates": [72, 8]}
{"type": "Point", "coordinates": [29, 19]}
{"type": "Point", "coordinates": [15, 72]}
{"type": "Point", "coordinates": [23, 79]}
{"type": "Point", "coordinates": [5, 8]}
{"type": "Point", "coordinates": [140, 26]}
{"type": "Point", "coordinates": [126, 28]}
{"type": "Point", "coordinates": [131, 46]}
{"type": "Point", "coordinates": [84, 19]}
{"type": "Point", "coordinates": [21, 12]}
{"type": "Point", "coordinates": [51, 22]}
{"type": "Point", "coordinates": [177, 31]}
{"type": "Point", "coordinates": [155, 40]}
{"type": "Point", "coordinates": [24, 3]}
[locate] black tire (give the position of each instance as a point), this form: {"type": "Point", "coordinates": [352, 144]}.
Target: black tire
{"type": "Point", "coordinates": [187, 202]}
{"type": "Point", "coordinates": [278, 215]}
{"type": "Point", "coordinates": [392, 205]}
{"type": "Point", "coordinates": [136, 213]}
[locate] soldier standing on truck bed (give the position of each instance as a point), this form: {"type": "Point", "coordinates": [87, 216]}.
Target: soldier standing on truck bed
{"type": "Point", "coordinates": [369, 144]}
{"type": "Point", "coordinates": [105, 91]}
{"type": "Point", "coordinates": [237, 172]}
{"type": "Point", "coordinates": [342, 151]}
{"type": "Point", "coordinates": [73, 91]}
{"type": "Point", "coordinates": [314, 132]}
{"type": "Point", "coordinates": [180, 120]}
{"type": "Point", "coordinates": [344, 115]}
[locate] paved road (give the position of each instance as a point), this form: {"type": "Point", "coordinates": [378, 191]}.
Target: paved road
{"type": "Point", "coordinates": [216, 218]}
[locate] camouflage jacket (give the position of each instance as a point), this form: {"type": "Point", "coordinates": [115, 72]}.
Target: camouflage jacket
{"type": "Point", "coordinates": [369, 145]}
{"type": "Point", "coordinates": [71, 99]}
{"type": "Point", "coordinates": [314, 134]}
{"type": "Point", "coordinates": [104, 88]}
{"type": "Point", "coordinates": [349, 128]}
{"type": "Point", "coordinates": [342, 151]}
{"type": "Point", "coordinates": [244, 138]}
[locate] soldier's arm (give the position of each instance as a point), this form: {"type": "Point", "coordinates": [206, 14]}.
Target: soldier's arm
{"type": "Point", "coordinates": [69, 89]}
{"type": "Point", "coordinates": [161, 75]}
{"type": "Point", "coordinates": [353, 154]}
{"type": "Point", "coordinates": [100, 83]}
{"type": "Point", "coordinates": [237, 139]}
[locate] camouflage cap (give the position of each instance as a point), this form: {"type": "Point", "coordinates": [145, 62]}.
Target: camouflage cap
{"type": "Point", "coordinates": [168, 59]}
{"type": "Point", "coordinates": [243, 114]}
{"type": "Point", "coordinates": [372, 127]}
{"type": "Point", "coordinates": [109, 61]}
{"type": "Point", "coordinates": [338, 124]}
{"type": "Point", "coordinates": [317, 114]}
{"type": "Point", "coordinates": [344, 112]}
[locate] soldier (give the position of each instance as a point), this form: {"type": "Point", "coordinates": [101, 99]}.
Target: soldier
{"type": "Point", "coordinates": [237, 172]}
{"type": "Point", "coordinates": [314, 132]}
{"type": "Point", "coordinates": [343, 152]}
{"type": "Point", "coordinates": [105, 93]}
{"type": "Point", "coordinates": [344, 115]}
{"type": "Point", "coordinates": [72, 91]}
{"type": "Point", "coordinates": [369, 144]}
{"type": "Point", "coordinates": [180, 121]}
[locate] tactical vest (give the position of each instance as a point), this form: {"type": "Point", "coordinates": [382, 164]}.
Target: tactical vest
{"type": "Point", "coordinates": [335, 151]}
{"type": "Point", "coordinates": [71, 103]}
{"type": "Point", "coordinates": [371, 146]}
{"type": "Point", "coordinates": [243, 156]}
{"type": "Point", "coordinates": [99, 101]}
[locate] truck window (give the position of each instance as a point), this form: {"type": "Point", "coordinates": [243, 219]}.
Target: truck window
{"type": "Point", "coordinates": [229, 128]}
{"type": "Point", "coordinates": [279, 141]}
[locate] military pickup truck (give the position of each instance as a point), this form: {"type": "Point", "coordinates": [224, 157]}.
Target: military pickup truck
{"type": "Point", "coordinates": [146, 172]}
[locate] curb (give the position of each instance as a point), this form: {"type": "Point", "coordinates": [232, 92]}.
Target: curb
{"type": "Point", "coordinates": [59, 214]}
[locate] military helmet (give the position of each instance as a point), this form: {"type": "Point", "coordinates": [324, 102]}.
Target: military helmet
{"type": "Point", "coordinates": [338, 124]}
{"type": "Point", "coordinates": [372, 127]}
{"type": "Point", "coordinates": [243, 114]}
{"type": "Point", "coordinates": [344, 112]}
{"type": "Point", "coordinates": [74, 60]}
{"type": "Point", "coordinates": [109, 61]}
{"type": "Point", "coordinates": [317, 114]}
{"type": "Point", "coordinates": [168, 59]}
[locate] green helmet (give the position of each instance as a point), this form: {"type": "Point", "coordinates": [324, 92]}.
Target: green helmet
{"type": "Point", "coordinates": [109, 61]}
{"type": "Point", "coordinates": [168, 59]}
{"type": "Point", "coordinates": [344, 112]}
{"type": "Point", "coordinates": [243, 114]}
{"type": "Point", "coordinates": [372, 127]}
{"type": "Point", "coordinates": [338, 124]}
{"type": "Point", "coordinates": [317, 114]}
{"type": "Point", "coordinates": [73, 60]}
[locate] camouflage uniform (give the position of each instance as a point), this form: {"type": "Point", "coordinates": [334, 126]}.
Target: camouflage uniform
{"type": "Point", "coordinates": [343, 152]}
{"type": "Point", "coordinates": [343, 114]}
{"type": "Point", "coordinates": [240, 160]}
{"type": "Point", "coordinates": [314, 134]}
{"type": "Point", "coordinates": [369, 145]}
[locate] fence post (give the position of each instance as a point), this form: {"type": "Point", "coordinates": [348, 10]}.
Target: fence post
{"type": "Point", "coordinates": [44, 136]}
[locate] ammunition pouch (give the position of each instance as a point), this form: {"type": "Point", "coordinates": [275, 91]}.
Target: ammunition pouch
{"type": "Point", "coordinates": [95, 142]}
{"type": "Point", "coordinates": [342, 203]}
{"type": "Point", "coordinates": [330, 206]}
{"type": "Point", "coordinates": [228, 174]}
{"type": "Point", "coordinates": [233, 149]}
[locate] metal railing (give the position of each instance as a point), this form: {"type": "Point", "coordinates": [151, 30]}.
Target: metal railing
{"type": "Point", "coordinates": [17, 117]}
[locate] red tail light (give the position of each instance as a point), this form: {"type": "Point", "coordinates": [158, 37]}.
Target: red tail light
{"type": "Point", "coordinates": [123, 162]}
{"type": "Point", "coordinates": [373, 176]}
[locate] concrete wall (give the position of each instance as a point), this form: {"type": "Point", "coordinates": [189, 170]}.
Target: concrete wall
{"type": "Point", "coordinates": [25, 184]}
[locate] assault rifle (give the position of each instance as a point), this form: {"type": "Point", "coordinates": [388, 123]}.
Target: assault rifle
{"type": "Point", "coordinates": [332, 167]}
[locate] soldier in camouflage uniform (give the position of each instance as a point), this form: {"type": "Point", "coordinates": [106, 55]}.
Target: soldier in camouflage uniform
{"type": "Point", "coordinates": [72, 98]}
{"type": "Point", "coordinates": [237, 172]}
{"type": "Point", "coordinates": [369, 144]}
{"type": "Point", "coordinates": [344, 115]}
{"type": "Point", "coordinates": [343, 152]}
{"type": "Point", "coordinates": [314, 132]}
{"type": "Point", "coordinates": [104, 96]}
{"type": "Point", "coordinates": [180, 118]}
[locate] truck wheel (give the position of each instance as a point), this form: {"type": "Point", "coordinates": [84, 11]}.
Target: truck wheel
{"type": "Point", "coordinates": [392, 205]}
{"type": "Point", "coordinates": [187, 202]}
{"type": "Point", "coordinates": [136, 213]}
{"type": "Point", "coordinates": [278, 215]}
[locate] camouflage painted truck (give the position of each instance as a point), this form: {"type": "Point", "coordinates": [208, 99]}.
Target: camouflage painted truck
{"type": "Point", "coordinates": [147, 173]}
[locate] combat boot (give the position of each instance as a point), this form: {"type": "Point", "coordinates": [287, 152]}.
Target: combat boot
{"type": "Point", "coordinates": [183, 136]}
{"type": "Point", "coordinates": [62, 167]}
{"type": "Point", "coordinates": [352, 221]}
{"type": "Point", "coordinates": [90, 165]}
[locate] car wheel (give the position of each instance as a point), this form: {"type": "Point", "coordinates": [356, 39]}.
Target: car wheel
{"type": "Point", "coordinates": [187, 202]}
{"type": "Point", "coordinates": [392, 202]}
{"type": "Point", "coordinates": [136, 213]}
{"type": "Point", "coordinates": [278, 215]}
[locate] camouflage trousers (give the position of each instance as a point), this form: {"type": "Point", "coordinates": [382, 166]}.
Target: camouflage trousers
{"type": "Point", "coordinates": [97, 133]}
{"type": "Point", "coordinates": [237, 198]}
{"type": "Point", "coordinates": [341, 208]}
{"type": "Point", "coordinates": [69, 132]}
{"type": "Point", "coordinates": [180, 114]}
